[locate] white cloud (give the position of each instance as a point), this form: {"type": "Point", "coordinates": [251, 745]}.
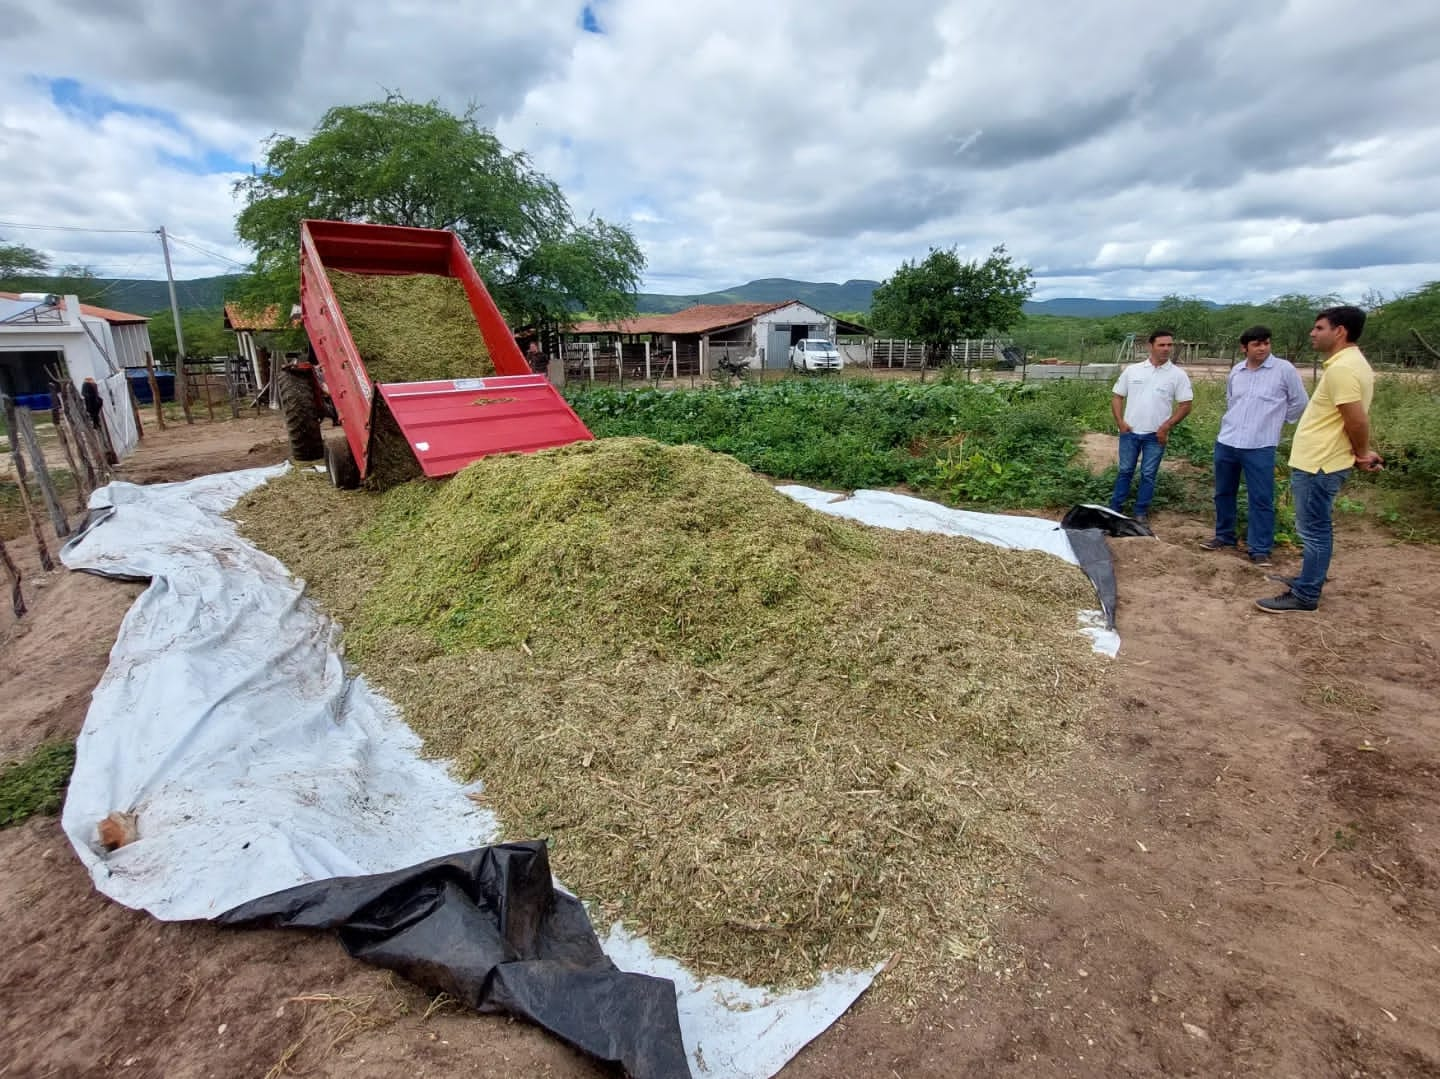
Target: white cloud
{"type": "Point", "coordinates": [1120, 148]}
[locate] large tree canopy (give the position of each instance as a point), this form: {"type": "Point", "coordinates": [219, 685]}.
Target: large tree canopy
{"type": "Point", "coordinates": [945, 299]}
{"type": "Point", "coordinates": [396, 162]}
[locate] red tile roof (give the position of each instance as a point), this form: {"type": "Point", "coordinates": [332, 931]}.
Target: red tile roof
{"type": "Point", "coordinates": [238, 318]}
{"type": "Point", "coordinates": [702, 318]}
{"type": "Point", "coordinates": [90, 309]}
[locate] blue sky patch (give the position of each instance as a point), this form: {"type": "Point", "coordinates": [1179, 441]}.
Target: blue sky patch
{"type": "Point", "coordinates": [93, 105]}
{"type": "Point", "coordinates": [207, 163]}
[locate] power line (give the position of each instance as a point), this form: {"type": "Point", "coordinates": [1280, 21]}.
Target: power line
{"type": "Point", "coordinates": [72, 228]}
{"type": "Point", "coordinates": [207, 251]}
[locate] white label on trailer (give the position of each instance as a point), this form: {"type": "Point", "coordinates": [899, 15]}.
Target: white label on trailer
{"type": "Point", "coordinates": [469, 383]}
{"type": "Point", "coordinates": [423, 447]}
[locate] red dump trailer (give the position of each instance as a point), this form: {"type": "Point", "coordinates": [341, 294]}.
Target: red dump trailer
{"type": "Point", "coordinates": [430, 428]}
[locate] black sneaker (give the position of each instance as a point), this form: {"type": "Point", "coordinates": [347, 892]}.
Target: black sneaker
{"type": "Point", "coordinates": [1260, 560]}
{"type": "Point", "coordinates": [1214, 544]}
{"type": "Point", "coordinates": [1285, 604]}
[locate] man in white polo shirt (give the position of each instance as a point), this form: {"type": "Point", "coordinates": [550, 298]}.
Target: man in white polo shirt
{"type": "Point", "coordinates": [1149, 399]}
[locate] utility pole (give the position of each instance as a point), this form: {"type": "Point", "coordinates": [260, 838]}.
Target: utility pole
{"type": "Point", "coordinates": [180, 391]}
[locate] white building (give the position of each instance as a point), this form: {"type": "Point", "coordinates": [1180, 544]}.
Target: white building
{"type": "Point", "coordinates": [760, 333]}
{"type": "Point", "coordinates": [39, 334]}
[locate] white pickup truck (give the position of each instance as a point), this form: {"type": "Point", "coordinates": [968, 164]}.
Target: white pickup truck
{"type": "Point", "coordinates": [815, 355]}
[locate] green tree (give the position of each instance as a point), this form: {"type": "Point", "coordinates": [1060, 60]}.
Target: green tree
{"type": "Point", "coordinates": [1407, 321]}
{"type": "Point", "coordinates": [944, 299]}
{"type": "Point", "coordinates": [1290, 318]}
{"type": "Point", "coordinates": [205, 334]}
{"type": "Point", "coordinates": [1190, 317]}
{"type": "Point", "coordinates": [398, 162]}
{"type": "Point", "coordinates": [17, 260]}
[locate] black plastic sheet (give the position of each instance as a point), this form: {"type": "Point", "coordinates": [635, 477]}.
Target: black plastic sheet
{"type": "Point", "coordinates": [1103, 518]}
{"type": "Point", "coordinates": [488, 927]}
{"type": "Point", "coordinates": [1086, 527]}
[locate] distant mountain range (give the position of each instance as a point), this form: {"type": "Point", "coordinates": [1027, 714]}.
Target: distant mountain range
{"type": "Point", "coordinates": [137, 297]}
{"type": "Point", "coordinates": [855, 296]}
{"type": "Point", "coordinates": [147, 297]}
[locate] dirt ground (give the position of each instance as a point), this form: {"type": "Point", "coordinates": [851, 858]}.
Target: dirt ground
{"type": "Point", "coordinates": [1246, 880]}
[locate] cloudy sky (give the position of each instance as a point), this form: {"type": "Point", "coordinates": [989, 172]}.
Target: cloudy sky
{"type": "Point", "coordinates": [1233, 149]}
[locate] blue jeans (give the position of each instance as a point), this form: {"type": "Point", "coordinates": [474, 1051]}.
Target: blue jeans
{"type": "Point", "coordinates": [1314, 507]}
{"type": "Point", "coordinates": [1258, 467]}
{"type": "Point", "coordinates": [1145, 449]}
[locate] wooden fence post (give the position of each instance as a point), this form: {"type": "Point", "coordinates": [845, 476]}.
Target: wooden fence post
{"type": "Point", "coordinates": [85, 437]}
{"type": "Point", "coordinates": [182, 389]}
{"type": "Point", "coordinates": [232, 389]}
{"type": "Point", "coordinates": [47, 487]}
{"type": "Point", "coordinates": [17, 598]}
{"type": "Point", "coordinates": [134, 408]}
{"type": "Point", "coordinates": [154, 391]}
{"type": "Point", "coordinates": [57, 420]}
{"type": "Point", "coordinates": [85, 476]}
{"type": "Point", "coordinates": [209, 396]}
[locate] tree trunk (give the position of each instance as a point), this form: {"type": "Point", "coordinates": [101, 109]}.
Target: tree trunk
{"type": "Point", "coordinates": [1426, 345]}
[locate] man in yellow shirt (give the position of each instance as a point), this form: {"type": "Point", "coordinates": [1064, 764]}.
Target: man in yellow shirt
{"type": "Point", "coordinates": [1333, 437]}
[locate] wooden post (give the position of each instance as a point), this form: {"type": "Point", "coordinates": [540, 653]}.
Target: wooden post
{"type": "Point", "coordinates": [87, 476]}
{"type": "Point", "coordinates": [17, 598]}
{"type": "Point", "coordinates": [209, 397]}
{"type": "Point", "coordinates": [134, 408]}
{"type": "Point", "coordinates": [86, 439]}
{"type": "Point", "coordinates": [154, 391]}
{"type": "Point", "coordinates": [647, 361]}
{"type": "Point", "coordinates": [37, 529]}
{"type": "Point", "coordinates": [8, 404]}
{"type": "Point", "coordinates": [232, 389]}
{"type": "Point", "coordinates": [57, 419]}
{"type": "Point", "coordinates": [47, 487]}
{"type": "Point", "coordinates": [182, 390]}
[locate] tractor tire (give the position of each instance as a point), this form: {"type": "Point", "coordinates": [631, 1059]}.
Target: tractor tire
{"type": "Point", "coordinates": [302, 414]}
{"type": "Point", "coordinates": [340, 463]}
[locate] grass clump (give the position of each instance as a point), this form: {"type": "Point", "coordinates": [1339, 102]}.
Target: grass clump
{"type": "Point", "coordinates": [771, 740]}
{"type": "Point", "coordinates": [412, 327]}
{"type": "Point", "coordinates": [35, 784]}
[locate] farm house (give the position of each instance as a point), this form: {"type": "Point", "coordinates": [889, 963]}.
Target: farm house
{"type": "Point", "coordinates": [43, 333]}
{"type": "Point", "coordinates": [691, 341]}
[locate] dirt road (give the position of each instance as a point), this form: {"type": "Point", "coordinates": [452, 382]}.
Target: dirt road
{"type": "Point", "coordinates": [1247, 882]}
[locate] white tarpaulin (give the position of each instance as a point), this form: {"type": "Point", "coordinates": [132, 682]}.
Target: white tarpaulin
{"type": "Point", "coordinates": [227, 722]}
{"type": "Point", "coordinates": [887, 510]}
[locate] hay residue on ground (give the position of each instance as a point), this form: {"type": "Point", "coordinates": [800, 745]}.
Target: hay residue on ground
{"type": "Point", "coordinates": [771, 740]}
{"type": "Point", "coordinates": [412, 327]}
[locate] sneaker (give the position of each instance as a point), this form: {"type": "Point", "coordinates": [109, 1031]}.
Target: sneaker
{"type": "Point", "coordinates": [1214, 544]}
{"type": "Point", "coordinates": [1143, 518]}
{"type": "Point", "coordinates": [1260, 560]}
{"type": "Point", "coordinates": [1285, 604]}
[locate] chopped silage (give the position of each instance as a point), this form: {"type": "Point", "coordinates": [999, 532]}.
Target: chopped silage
{"type": "Point", "coordinates": [770, 740]}
{"type": "Point", "coordinates": [412, 327]}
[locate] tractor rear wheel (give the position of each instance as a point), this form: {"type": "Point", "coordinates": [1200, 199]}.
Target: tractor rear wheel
{"type": "Point", "coordinates": [302, 413]}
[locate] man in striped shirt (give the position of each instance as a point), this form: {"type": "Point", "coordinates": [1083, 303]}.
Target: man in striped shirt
{"type": "Point", "coordinates": [1262, 394]}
